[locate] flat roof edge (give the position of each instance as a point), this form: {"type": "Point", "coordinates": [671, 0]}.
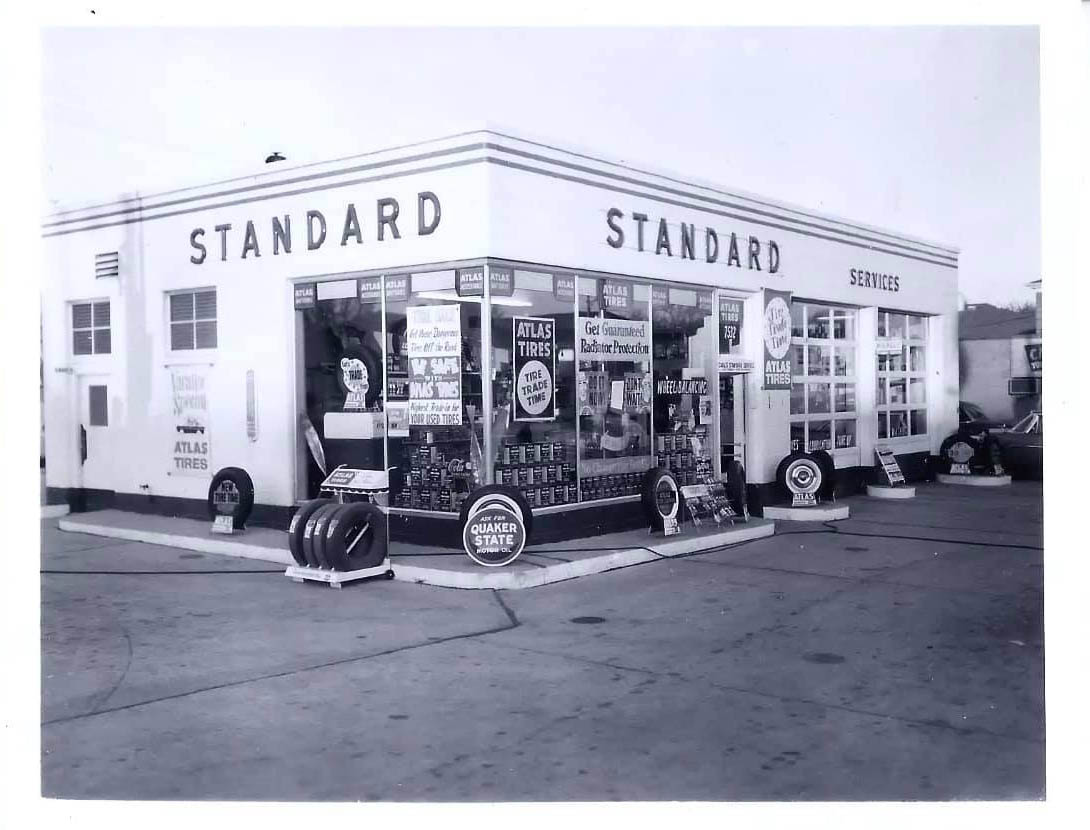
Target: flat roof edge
{"type": "Point", "coordinates": [497, 135]}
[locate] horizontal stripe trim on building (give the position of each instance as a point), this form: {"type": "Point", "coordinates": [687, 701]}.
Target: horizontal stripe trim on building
{"type": "Point", "coordinates": [502, 163]}
{"type": "Point", "coordinates": [265, 185]}
{"type": "Point", "coordinates": [725, 214]}
{"type": "Point", "coordinates": [823, 224]}
{"type": "Point", "coordinates": [935, 251]}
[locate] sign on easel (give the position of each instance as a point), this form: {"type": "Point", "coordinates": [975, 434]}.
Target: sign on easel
{"type": "Point", "coordinates": [223, 524]}
{"type": "Point", "coordinates": [890, 467]}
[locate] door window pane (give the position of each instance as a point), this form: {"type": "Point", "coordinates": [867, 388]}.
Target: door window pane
{"type": "Point", "coordinates": [820, 437]}
{"type": "Point", "coordinates": [845, 434]}
{"type": "Point", "coordinates": [845, 397]}
{"type": "Point", "coordinates": [817, 397]}
{"type": "Point", "coordinates": [798, 435]}
{"type": "Point", "coordinates": [819, 360]}
{"type": "Point", "coordinates": [919, 421]}
{"type": "Point", "coordinates": [817, 322]}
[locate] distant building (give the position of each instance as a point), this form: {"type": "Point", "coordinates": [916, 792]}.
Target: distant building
{"type": "Point", "coordinates": [1000, 358]}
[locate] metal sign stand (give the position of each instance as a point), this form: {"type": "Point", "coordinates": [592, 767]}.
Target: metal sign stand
{"type": "Point", "coordinates": [339, 483]}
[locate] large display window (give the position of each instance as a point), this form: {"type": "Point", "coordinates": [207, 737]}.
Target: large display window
{"type": "Point", "coordinates": [824, 413]}
{"type": "Point", "coordinates": [613, 386]}
{"type": "Point", "coordinates": [434, 401]}
{"type": "Point", "coordinates": [685, 349]}
{"type": "Point", "coordinates": [902, 375]}
{"type": "Point", "coordinates": [342, 353]}
{"type": "Point", "coordinates": [533, 429]}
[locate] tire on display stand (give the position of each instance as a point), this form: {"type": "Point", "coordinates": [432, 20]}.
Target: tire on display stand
{"type": "Point", "coordinates": [313, 532]}
{"type": "Point", "coordinates": [297, 526]}
{"type": "Point", "coordinates": [803, 472]}
{"type": "Point", "coordinates": [827, 491]}
{"type": "Point", "coordinates": [954, 447]}
{"type": "Point", "coordinates": [231, 493]}
{"type": "Point", "coordinates": [501, 494]}
{"type": "Point", "coordinates": [344, 526]}
{"type": "Point", "coordinates": [661, 497]}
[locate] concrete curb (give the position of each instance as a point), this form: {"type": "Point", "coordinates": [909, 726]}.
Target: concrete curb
{"type": "Point", "coordinates": [879, 491]}
{"type": "Point", "coordinates": [481, 579]}
{"type": "Point", "coordinates": [807, 514]}
{"type": "Point", "coordinates": [974, 481]}
{"type": "Point", "coordinates": [151, 537]}
{"type": "Point", "coordinates": [55, 511]}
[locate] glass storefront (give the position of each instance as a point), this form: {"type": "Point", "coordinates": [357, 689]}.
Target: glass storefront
{"type": "Point", "coordinates": [902, 377]}
{"type": "Point", "coordinates": [823, 377]}
{"type": "Point", "coordinates": [588, 383]}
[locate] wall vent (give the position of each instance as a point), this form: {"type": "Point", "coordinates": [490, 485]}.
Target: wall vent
{"type": "Point", "coordinates": [106, 265]}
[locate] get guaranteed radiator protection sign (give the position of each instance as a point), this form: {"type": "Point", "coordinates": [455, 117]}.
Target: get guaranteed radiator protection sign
{"type": "Point", "coordinates": [534, 349]}
{"type": "Point", "coordinates": [777, 337]}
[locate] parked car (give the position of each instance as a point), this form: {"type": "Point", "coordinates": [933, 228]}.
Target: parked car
{"type": "Point", "coordinates": [972, 418]}
{"type": "Point", "coordinates": [1023, 445]}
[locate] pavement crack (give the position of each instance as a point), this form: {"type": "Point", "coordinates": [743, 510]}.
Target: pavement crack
{"type": "Point", "coordinates": [931, 723]}
{"type": "Point", "coordinates": [511, 624]}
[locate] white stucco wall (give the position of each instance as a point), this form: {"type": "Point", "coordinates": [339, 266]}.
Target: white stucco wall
{"type": "Point", "coordinates": [501, 198]}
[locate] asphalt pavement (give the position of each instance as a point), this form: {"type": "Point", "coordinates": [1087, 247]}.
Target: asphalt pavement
{"type": "Point", "coordinates": [897, 655]}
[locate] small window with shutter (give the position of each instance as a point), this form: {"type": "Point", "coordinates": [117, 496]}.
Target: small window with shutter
{"type": "Point", "coordinates": [192, 320]}
{"type": "Point", "coordinates": [91, 328]}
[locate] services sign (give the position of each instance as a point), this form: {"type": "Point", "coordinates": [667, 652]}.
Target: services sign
{"type": "Point", "coordinates": [434, 339]}
{"type": "Point", "coordinates": [534, 344]}
{"type": "Point", "coordinates": [777, 337]}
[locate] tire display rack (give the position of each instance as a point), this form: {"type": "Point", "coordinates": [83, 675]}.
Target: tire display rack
{"type": "Point", "coordinates": [328, 534]}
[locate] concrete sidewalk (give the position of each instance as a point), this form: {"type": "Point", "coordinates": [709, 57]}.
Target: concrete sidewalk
{"type": "Point", "coordinates": [443, 567]}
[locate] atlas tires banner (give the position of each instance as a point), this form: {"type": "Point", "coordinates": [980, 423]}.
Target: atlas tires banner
{"type": "Point", "coordinates": [777, 336]}
{"type": "Point", "coordinates": [434, 335]}
{"type": "Point", "coordinates": [190, 438]}
{"type": "Point", "coordinates": [534, 349]}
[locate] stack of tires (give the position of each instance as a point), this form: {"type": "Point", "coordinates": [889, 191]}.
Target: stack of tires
{"type": "Point", "coordinates": [341, 537]}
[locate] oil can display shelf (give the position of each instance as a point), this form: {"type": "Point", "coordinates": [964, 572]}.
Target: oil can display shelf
{"type": "Point", "coordinates": [973, 480]}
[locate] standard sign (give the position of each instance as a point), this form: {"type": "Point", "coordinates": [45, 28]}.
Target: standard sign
{"type": "Point", "coordinates": [494, 535]}
{"type": "Point", "coordinates": [434, 338]}
{"type": "Point", "coordinates": [534, 343]}
{"type": "Point", "coordinates": [890, 467]}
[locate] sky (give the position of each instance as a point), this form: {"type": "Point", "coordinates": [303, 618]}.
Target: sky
{"type": "Point", "coordinates": [930, 131]}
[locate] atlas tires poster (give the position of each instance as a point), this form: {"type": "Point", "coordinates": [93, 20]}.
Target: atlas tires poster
{"type": "Point", "coordinates": [534, 344]}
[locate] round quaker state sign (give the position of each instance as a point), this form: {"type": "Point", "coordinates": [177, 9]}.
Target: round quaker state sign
{"type": "Point", "coordinates": [534, 387]}
{"type": "Point", "coordinates": [777, 328]}
{"type": "Point", "coordinates": [494, 535]}
{"type": "Point", "coordinates": [356, 381]}
{"type": "Point", "coordinates": [226, 498]}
